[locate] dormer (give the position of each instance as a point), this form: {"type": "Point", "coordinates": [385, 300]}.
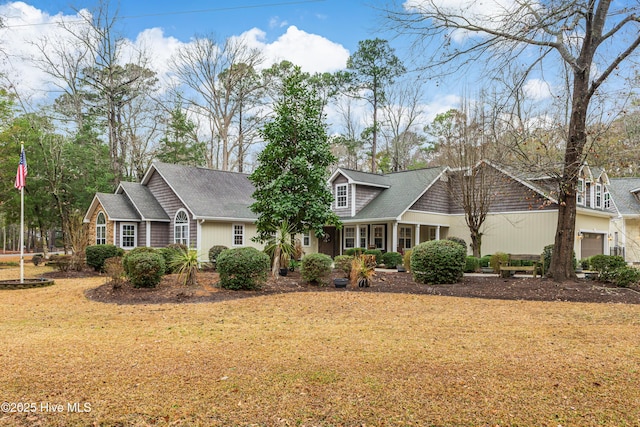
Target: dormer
{"type": "Point", "coordinates": [592, 189]}
{"type": "Point", "coordinates": [353, 190]}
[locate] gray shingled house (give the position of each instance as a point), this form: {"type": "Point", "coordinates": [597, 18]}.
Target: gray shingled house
{"type": "Point", "coordinates": [625, 230]}
{"type": "Point", "coordinates": [203, 207]}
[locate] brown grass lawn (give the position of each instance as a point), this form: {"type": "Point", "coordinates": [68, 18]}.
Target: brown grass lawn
{"type": "Point", "coordinates": [316, 359]}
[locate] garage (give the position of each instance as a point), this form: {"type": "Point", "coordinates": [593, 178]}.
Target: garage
{"type": "Point", "coordinates": [592, 244]}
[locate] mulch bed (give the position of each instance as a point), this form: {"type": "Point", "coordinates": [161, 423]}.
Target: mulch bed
{"type": "Point", "coordinates": [170, 290]}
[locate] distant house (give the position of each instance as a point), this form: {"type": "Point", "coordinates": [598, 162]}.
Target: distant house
{"type": "Point", "coordinates": [625, 227]}
{"type": "Point", "coordinates": [392, 212]}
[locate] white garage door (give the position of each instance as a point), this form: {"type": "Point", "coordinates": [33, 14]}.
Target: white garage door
{"type": "Point", "coordinates": [592, 244]}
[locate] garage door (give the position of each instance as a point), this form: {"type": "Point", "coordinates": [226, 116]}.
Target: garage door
{"type": "Point", "coordinates": [592, 244]}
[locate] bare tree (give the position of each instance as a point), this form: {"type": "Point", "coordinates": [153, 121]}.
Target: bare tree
{"type": "Point", "coordinates": [222, 79]}
{"type": "Point", "coordinates": [590, 37]}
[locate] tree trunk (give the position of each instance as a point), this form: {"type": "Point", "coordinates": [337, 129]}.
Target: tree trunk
{"type": "Point", "coordinates": [562, 257]}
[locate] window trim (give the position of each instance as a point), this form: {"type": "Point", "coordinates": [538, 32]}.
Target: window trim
{"type": "Point", "coordinates": [185, 226]}
{"type": "Point", "coordinates": [306, 238]}
{"type": "Point", "coordinates": [364, 237]}
{"type": "Point", "coordinates": [135, 235]}
{"type": "Point", "coordinates": [101, 227]}
{"type": "Point", "coordinates": [405, 237]}
{"type": "Point", "coordinates": [607, 200]}
{"type": "Point", "coordinates": [580, 199]}
{"type": "Point", "coordinates": [340, 203]}
{"type": "Point", "coordinates": [234, 235]}
{"type": "Point", "coordinates": [598, 196]}
{"type": "Point", "coordinates": [383, 237]}
{"type": "Point", "coordinates": [346, 238]}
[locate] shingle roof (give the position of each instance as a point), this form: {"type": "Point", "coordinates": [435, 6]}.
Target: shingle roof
{"type": "Point", "coordinates": [209, 193]}
{"type": "Point", "coordinates": [622, 196]}
{"type": "Point", "coordinates": [117, 207]}
{"type": "Point", "coordinates": [366, 178]}
{"type": "Point", "coordinates": [404, 189]}
{"type": "Point", "coordinates": [143, 201]}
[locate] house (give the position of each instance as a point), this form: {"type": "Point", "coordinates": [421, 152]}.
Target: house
{"type": "Point", "coordinates": [625, 226]}
{"type": "Point", "coordinates": [202, 207]}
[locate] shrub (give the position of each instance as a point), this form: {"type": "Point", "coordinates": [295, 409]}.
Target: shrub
{"type": "Point", "coordinates": [354, 251]}
{"type": "Point", "coordinates": [343, 263]}
{"type": "Point", "coordinates": [472, 264]}
{"type": "Point", "coordinates": [485, 260]}
{"type": "Point", "coordinates": [605, 263]}
{"type": "Point", "coordinates": [316, 267]}
{"type": "Point", "coordinates": [406, 259]}
{"type": "Point", "coordinates": [497, 259]}
{"type": "Point", "coordinates": [185, 263]}
{"type": "Point", "coordinates": [623, 276]}
{"type": "Point", "coordinates": [438, 262]}
{"type": "Point", "coordinates": [113, 267]}
{"type": "Point", "coordinates": [61, 262]}
{"type": "Point", "coordinates": [145, 269]}
{"type": "Point", "coordinates": [391, 259]}
{"type": "Point", "coordinates": [96, 254]}
{"type": "Point", "coordinates": [460, 241]}
{"type": "Point", "coordinates": [36, 259]}
{"type": "Point", "coordinates": [126, 260]}
{"type": "Point", "coordinates": [242, 268]}
{"type": "Point", "coordinates": [377, 253]}
{"type": "Point", "coordinates": [362, 270]}
{"type": "Point", "coordinates": [214, 252]}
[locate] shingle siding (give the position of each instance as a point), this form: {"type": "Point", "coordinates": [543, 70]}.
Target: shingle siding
{"type": "Point", "coordinates": [346, 211]}
{"type": "Point", "coordinates": [364, 195]}
{"type": "Point", "coordinates": [171, 204]}
{"type": "Point", "coordinates": [435, 199]}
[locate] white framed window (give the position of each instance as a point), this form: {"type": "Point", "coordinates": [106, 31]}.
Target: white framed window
{"type": "Point", "coordinates": [238, 235]}
{"type": "Point", "coordinates": [342, 193]}
{"type": "Point", "coordinates": [378, 236]}
{"type": "Point", "coordinates": [405, 237]}
{"type": "Point", "coordinates": [181, 228]}
{"type": "Point", "coordinates": [128, 235]}
{"type": "Point", "coordinates": [101, 229]}
{"type": "Point", "coordinates": [598, 195]}
{"type": "Point", "coordinates": [306, 238]}
{"type": "Point", "coordinates": [349, 237]}
{"type": "Point", "coordinates": [363, 236]}
{"type": "Point", "coordinates": [607, 200]}
{"type": "Point", "coordinates": [580, 192]}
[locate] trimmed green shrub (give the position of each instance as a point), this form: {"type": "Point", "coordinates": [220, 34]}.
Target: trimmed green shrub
{"type": "Point", "coordinates": [139, 250]}
{"type": "Point", "coordinates": [37, 259]}
{"type": "Point", "coordinates": [354, 251]}
{"type": "Point", "coordinates": [438, 262]}
{"type": "Point", "coordinates": [606, 263]}
{"type": "Point", "coordinates": [406, 259]}
{"type": "Point", "coordinates": [214, 252]}
{"type": "Point", "coordinates": [497, 259]}
{"type": "Point", "coordinates": [460, 241]}
{"type": "Point", "coordinates": [623, 276]}
{"type": "Point", "coordinates": [145, 269]}
{"type": "Point", "coordinates": [316, 267]}
{"type": "Point", "coordinates": [62, 262]}
{"type": "Point", "coordinates": [242, 268]}
{"type": "Point", "coordinates": [472, 264]}
{"type": "Point", "coordinates": [168, 254]}
{"type": "Point", "coordinates": [343, 263]}
{"type": "Point", "coordinates": [96, 254]}
{"type": "Point", "coordinates": [377, 253]}
{"type": "Point", "coordinates": [392, 259]}
{"type": "Point", "coordinates": [484, 261]}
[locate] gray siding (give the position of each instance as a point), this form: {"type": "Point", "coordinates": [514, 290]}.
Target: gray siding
{"type": "Point", "coordinates": [159, 234]}
{"type": "Point", "coordinates": [171, 204]}
{"type": "Point", "coordinates": [435, 199]}
{"type": "Point", "coordinates": [142, 234]}
{"type": "Point", "coordinates": [364, 195]}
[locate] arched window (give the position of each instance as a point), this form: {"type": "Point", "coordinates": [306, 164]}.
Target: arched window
{"type": "Point", "coordinates": [181, 228]}
{"type": "Point", "coordinates": [101, 229]}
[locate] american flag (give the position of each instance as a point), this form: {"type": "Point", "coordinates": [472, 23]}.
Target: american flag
{"type": "Point", "coordinates": [21, 176]}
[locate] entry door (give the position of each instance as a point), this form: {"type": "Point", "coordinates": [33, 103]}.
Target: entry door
{"type": "Point", "coordinates": [329, 244]}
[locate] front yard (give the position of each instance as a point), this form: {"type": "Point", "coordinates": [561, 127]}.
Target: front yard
{"type": "Point", "coordinates": [315, 358]}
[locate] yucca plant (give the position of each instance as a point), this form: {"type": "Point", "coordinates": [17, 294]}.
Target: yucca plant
{"type": "Point", "coordinates": [185, 263]}
{"type": "Point", "coordinates": [281, 248]}
{"type": "Point", "coordinates": [362, 270]}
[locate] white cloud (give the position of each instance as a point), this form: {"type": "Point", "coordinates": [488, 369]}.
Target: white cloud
{"type": "Point", "coordinates": [537, 90]}
{"type": "Point", "coordinates": [275, 22]}
{"type": "Point", "coordinates": [311, 52]}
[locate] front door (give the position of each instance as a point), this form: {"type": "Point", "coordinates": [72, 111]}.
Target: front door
{"type": "Point", "coordinates": [329, 245]}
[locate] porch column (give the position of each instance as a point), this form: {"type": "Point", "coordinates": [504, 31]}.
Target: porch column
{"type": "Point", "coordinates": [356, 244]}
{"type": "Point", "coordinates": [148, 237]}
{"type": "Point", "coordinates": [417, 239]}
{"type": "Point", "coordinates": [353, 200]}
{"type": "Point", "coordinates": [394, 238]}
{"type": "Point", "coordinates": [438, 232]}
{"type": "Point", "coordinates": [115, 229]}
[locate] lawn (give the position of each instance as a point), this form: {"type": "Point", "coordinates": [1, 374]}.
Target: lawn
{"type": "Point", "coordinates": [315, 359]}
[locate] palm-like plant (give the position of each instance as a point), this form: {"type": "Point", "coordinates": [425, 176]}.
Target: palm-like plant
{"type": "Point", "coordinates": [363, 270]}
{"type": "Point", "coordinates": [281, 248]}
{"type": "Point", "coordinates": [185, 263]}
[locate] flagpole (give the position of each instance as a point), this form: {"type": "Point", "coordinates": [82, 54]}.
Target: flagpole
{"type": "Point", "coordinates": [22, 229]}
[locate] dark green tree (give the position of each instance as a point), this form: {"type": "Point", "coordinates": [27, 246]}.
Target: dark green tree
{"type": "Point", "coordinates": [373, 67]}
{"type": "Point", "coordinates": [180, 144]}
{"type": "Point", "coordinates": [291, 176]}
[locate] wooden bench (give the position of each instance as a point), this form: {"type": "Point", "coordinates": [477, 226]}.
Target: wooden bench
{"type": "Point", "coordinates": [537, 260]}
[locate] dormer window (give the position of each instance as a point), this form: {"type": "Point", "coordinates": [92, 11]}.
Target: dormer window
{"type": "Point", "coordinates": [580, 192]}
{"type": "Point", "coordinates": [607, 200]}
{"type": "Point", "coordinates": [341, 195]}
{"type": "Point", "coordinates": [598, 196]}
